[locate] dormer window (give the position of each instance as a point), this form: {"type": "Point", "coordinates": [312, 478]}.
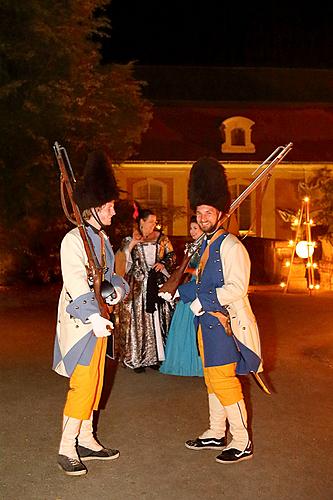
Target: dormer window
{"type": "Point", "coordinates": [238, 137]}
{"type": "Point", "coordinates": [236, 132]}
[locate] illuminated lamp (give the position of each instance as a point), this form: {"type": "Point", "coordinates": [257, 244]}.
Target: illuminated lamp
{"type": "Point", "coordinates": [304, 249]}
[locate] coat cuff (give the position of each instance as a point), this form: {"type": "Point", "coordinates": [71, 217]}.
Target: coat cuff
{"type": "Point", "coordinates": [83, 307]}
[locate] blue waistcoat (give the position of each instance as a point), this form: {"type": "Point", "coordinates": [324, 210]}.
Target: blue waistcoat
{"type": "Point", "coordinates": [219, 348]}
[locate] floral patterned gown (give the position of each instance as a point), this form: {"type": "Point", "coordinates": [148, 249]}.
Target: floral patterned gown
{"type": "Point", "coordinates": [144, 318]}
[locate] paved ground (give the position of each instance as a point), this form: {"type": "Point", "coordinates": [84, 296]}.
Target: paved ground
{"type": "Point", "coordinates": [149, 416]}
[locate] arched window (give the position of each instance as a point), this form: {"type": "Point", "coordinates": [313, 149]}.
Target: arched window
{"type": "Point", "coordinates": [236, 132]}
{"type": "Point", "coordinates": [151, 193]}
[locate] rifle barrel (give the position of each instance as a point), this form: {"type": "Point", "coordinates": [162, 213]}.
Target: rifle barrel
{"type": "Point", "coordinates": [274, 158]}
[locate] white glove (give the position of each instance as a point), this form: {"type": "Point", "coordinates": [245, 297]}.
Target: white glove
{"type": "Point", "coordinates": [112, 302]}
{"type": "Point", "coordinates": [168, 297]}
{"type": "Point", "coordinates": [99, 325]}
{"type": "Point", "coordinates": [196, 307]}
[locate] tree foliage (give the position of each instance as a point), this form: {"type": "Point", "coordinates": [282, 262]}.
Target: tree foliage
{"type": "Point", "coordinates": [319, 188]}
{"type": "Point", "coordinates": [53, 87]}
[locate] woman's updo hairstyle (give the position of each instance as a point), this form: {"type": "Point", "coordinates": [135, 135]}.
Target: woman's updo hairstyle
{"type": "Point", "coordinates": [144, 213]}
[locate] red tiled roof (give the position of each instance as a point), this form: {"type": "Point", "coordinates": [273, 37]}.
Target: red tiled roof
{"type": "Point", "coordinates": [186, 131]}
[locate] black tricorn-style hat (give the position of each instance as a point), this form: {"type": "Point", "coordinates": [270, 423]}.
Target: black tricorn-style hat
{"type": "Point", "coordinates": [208, 185]}
{"type": "Point", "coordinates": [98, 184]}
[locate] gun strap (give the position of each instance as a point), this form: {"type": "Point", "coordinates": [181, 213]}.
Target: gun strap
{"type": "Point", "coordinates": [205, 255]}
{"type": "Point", "coordinates": [103, 256]}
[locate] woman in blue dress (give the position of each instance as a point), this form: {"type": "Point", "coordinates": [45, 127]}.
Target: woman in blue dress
{"type": "Point", "coordinates": [181, 351]}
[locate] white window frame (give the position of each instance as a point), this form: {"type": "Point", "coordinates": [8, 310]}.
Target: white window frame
{"type": "Point", "coordinates": [150, 181]}
{"type": "Point", "coordinates": [237, 123]}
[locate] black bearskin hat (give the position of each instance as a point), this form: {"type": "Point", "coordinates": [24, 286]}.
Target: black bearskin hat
{"type": "Point", "coordinates": [98, 184]}
{"type": "Point", "coordinates": [208, 185]}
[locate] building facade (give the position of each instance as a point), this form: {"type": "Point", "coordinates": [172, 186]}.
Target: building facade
{"type": "Point", "coordinates": [240, 118]}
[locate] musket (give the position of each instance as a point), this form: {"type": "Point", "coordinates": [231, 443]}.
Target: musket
{"type": "Point", "coordinates": [94, 270]}
{"type": "Point", "coordinates": [271, 161]}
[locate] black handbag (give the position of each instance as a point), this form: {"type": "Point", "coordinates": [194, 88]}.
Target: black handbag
{"type": "Point", "coordinates": [155, 278]}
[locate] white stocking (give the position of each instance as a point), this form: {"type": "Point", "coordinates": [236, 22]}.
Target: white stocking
{"type": "Point", "coordinates": [237, 418]}
{"type": "Point", "coordinates": [70, 430]}
{"type": "Point", "coordinates": [86, 436]}
{"type": "Point", "coordinates": [217, 419]}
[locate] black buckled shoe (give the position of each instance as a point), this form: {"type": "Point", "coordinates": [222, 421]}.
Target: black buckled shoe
{"type": "Point", "coordinates": [103, 454]}
{"type": "Point", "coordinates": [155, 367]}
{"type": "Point", "coordinates": [231, 456]}
{"type": "Point", "coordinates": [71, 466]}
{"type": "Point", "coordinates": [140, 369]}
{"type": "Point", "coordinates": [206, 444]}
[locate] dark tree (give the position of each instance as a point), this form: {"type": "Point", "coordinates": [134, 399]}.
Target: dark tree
{"type": "Point", "coordinates": [53, 87]}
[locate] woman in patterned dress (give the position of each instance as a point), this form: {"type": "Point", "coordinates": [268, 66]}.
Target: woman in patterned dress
{"type": "Point", "coordinates": [146, 260]}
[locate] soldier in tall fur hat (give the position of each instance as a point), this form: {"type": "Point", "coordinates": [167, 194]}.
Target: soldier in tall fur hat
{"type": "Point", "coordinates": [98, 185]}
{"type": "Point", "coordinates": [218, 298]}
{"type": "Point", "coordinates": [81, 337]}
{"type": "Point", "coordinates": [208, 185]}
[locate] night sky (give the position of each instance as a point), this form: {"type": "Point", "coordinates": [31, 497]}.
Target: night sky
{"type": "Point", "coordinates": [220, 33]}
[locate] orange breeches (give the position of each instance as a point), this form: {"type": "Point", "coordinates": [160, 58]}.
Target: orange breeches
{"type": "Point", "coordinates": [221, 380]}
{"type": "Point", "coordinates": [85, 385]}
